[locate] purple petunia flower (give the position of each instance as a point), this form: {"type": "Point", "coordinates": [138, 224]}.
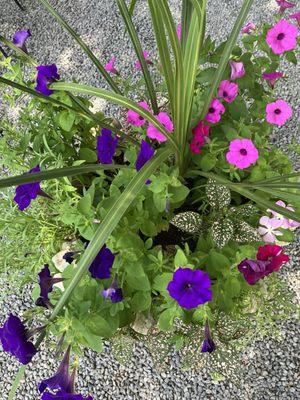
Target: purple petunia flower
{"type": "Point", "coordinates": [106, 146]}
{"type": "Point", "coordinates": [27, 192]}
{"type": "Point", "coordinates": [237, 70]}
{"type": "Point", "coordinates": [296, 16]}
{"type": "Point", "coordinates": [208, 345]}
{"type": "Point", "coordinates": [114, 293]}
{"type": "Point", "coordinates": [272, 77]}
{"type": "Point", "coordinates": [101, 266]}
{"type": "Point", "coordinates": [46, 282]}
{"type": "Point", "coordinates": [20, 38]}
{"type": "Point", "coordinates": [62, 379]}
{"type": "Point", "coordinates": [190, 287]}
{"type": "Point", "coordinates": [145, 154]}
{"type": "Point", "coordinates": [14, 339]}
{"type": "Point", "coordinates": [215, 111]}
{"type": "Point", "coordinates": [61, 395]}
{"type": "Point", "coordinates": [46, 74]}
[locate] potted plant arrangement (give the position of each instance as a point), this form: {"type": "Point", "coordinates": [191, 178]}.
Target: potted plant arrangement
{"type": "Point", "coordinates": [175, 212]}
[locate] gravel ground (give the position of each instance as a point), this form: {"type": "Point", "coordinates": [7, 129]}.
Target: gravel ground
{"type": "Point", "coordinates": [271, 368]}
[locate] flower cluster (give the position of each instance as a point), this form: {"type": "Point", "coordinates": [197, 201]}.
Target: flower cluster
{"type": "Point", "coordinates": [269, 259]}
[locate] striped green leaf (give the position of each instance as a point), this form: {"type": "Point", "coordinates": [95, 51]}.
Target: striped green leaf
{"type": "Point", "coordinates": [139, 52]}
{"type": "Point", "coordinates": [82, 44]}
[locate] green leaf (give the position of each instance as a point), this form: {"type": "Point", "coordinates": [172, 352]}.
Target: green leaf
{"type": "Point", "coordinates": [85, 204]}
{"type": "Point", "coordinates": [161, 281]}
{"type": "Point", "coordinates": [141, 301]}
{"type": "Point", "coordinates": [179, 193]}
{"type": "Point", "coordinates": [88, 155]}
{"type": "Point", "coordinates": [219, 263]}
{"type": "Point", "coordinates": [35, 292]}
{"type": "Point", "coordinates": [232, 287]}
{"type": "Point", "coordinates": [94, 342]}
{"type": "Point", "coordinates": [165, 320]}
{"type": "Point", "coordinates": [136, 277]}
{"type": "Point", "coordinates": [238, 109]}
{"type": "Point", "coordinates": [180, 259]}
{"type": "Point", "coordinates": [65, 120]}
{"type": "Point", "coordinates": [99, 326]}
{"type": "Point", "coordinates": [291, 57]}
{"type": "Point", "coordinates": [208, 162]}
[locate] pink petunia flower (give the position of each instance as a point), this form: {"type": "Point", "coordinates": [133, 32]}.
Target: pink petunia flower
{"type": "Point", "coordinates": [269, 229]}
{"type": "Point", "coordinates": [200, 134]}
{"type": "Point", "coordinates": [242, 153]}
{"type": "Point", "coordinates": [286, 222]}
{"type": "Point", "coordinates": [154, 133]}
{"type": "Point", "coordinates": [215, 111]}
{"type": "Point", "coordinates": [296, 16]}
{"type": "Point", "coordinates": [248, 28]}
{"type": "Point", "coordinates": [282, 37]}
{"type": "Point", "coordinates": [272, 77]}
{"type": "Point", "coordinates": [179, 31]}
{"type": "Point", "coordinates": [237, 70]}
{"type": "Point", "coordinates": [228, 91]}
{"type": "Point", "coordinates": [138, 65]}
{"type": "Point", "coordinates": [284, 5]}
{"type": "Point", "coordinates": [133, 118]}
{"type": "Point", "coordinates": [110, 66]}
{"type": "Point", "coordinates": [278, 112]}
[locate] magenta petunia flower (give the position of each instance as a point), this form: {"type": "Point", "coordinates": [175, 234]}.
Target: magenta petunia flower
{"type": "Point", "coordinates": [278, 112]}
{"type": "Point", "coordinates": [46, 74]}
{"type": "Point", "coordinates": [228, 91]}
{"type": "Point", "coordinates": [286, 222]}
{"type": "Point", "coordinates": [237, 70]}
{"type": "Point", "coordinates": [154, 133]}
{"type": "Point", "coordinates": [200, 134]}
{"type": "Point", "coordinates": [274, 255]}
{"type": "Point", "coordinates": [190, 288]}
{"type": "Point", "coordinates": [242, 153]}
{"type": "Point", "coordinates": [284, 4]}
{"type": "Point", "coordinates": [248, 27]}
{"type": "Point", "coordinates": [272, 77]}
{"type": "Point", "coordinates": [269, 229]}
{"type": "Point", "coordinates": [282, 37]}
{"type": "Point", "coordinates": [138, 65]}
{"type": "Point", "coordinates": [134, 118]}
{"type": "Point", "coordinates": [20, 38]}
{"type": "Point", "coordinates": [179, 31]}
{"type": "Point", "coordinates": [215, 111]}
{"type": "Point", "coordinates": [296, 16]}
{"type": "Point", "coordinates": [110, 66]}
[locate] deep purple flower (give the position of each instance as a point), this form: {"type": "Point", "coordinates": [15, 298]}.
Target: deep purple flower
{"type": "Point", "coordinates": [27, 191]}
{"type": "Point", "coordinates": [190, 287]}
{"type": "Point", "coordinates": [14, 339]}
{"type": "Point", "coordinates": [114, 293]}
{"type": "Point", "coordinates": [106, 146]}
{"type": "Point", "coordinates": [19, 39]}
{"type": "Point", "coordinates": [208, 345]}
{"type": "Point", "coordinates": [61, 395]}
{"type": "Point", "coordinates": [69, 256]}
{"type": "Point", "coordinates": [253, 270]}
{"type": "Point", "coordinates": [284, 4]}
{"type": "Point", "coordinates": [46, 282]}
{"type": "Point", "coordinates": [101, 266]}
{"type": "Point", "coordinates": [145, 154]}
{"type": "Point", "coordinates": [62, 379]}
{"type": "Point", "coordinates": [46, 74]}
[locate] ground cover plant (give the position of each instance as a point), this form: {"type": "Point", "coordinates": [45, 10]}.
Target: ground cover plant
{"type": "Point", "coordinates": [172, 217]}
